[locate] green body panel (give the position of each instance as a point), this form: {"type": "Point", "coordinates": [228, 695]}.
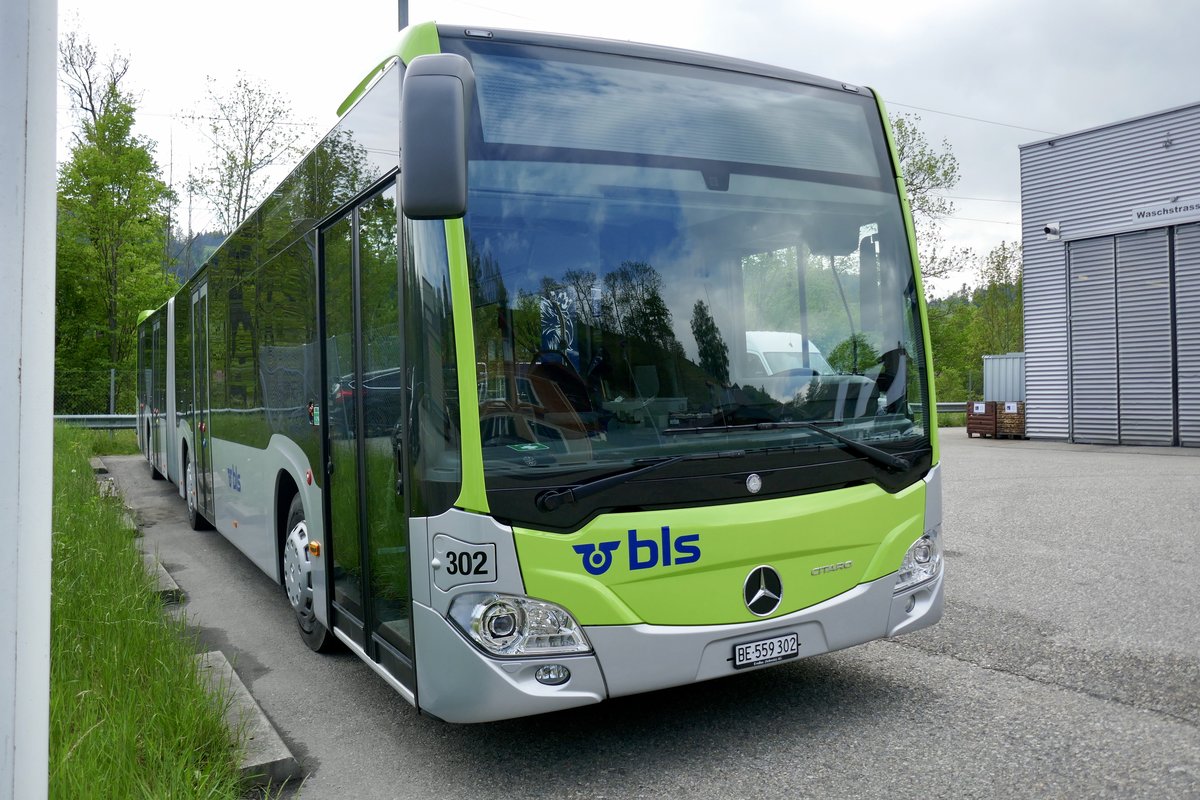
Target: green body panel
{"type": "Point", "coordinates": [910, 229]}
{"type": "Point", "coordinates": [415, 40]}
{"type": "Point", "coordinates": [863, 525]}
{"type": "Point", "coordinates": [473, 495]}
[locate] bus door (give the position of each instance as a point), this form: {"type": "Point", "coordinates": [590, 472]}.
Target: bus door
{"type": "Point", "coordinates": [364, 410]}
{"type": "Point", "coordinates": [156, 403]}
{"type": "Point", "coordinates": [143, 394]}
{"type": "Point", "coordinates": [200, 401]}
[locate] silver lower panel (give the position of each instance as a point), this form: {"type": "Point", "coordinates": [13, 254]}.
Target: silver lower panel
{"type": "Point", "coordinates": [458, 683]}
{"type": "Point", "coordinates": [641, 658]}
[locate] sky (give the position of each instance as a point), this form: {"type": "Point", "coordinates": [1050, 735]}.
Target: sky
{"type": "Point", "coordinates": [983, 75]}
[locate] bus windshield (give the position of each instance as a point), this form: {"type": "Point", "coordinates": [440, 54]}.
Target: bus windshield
{"type": "Point", "coordinates": [672, 260]}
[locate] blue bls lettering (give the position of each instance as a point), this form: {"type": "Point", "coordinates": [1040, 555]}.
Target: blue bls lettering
{"type": "Point", "coordinates": [685, 551]}
{"type": "Point", "coordinates": [643, 553]}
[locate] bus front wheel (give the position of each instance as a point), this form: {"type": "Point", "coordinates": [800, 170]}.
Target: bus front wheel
{"type": "Point", "coordinates": [195, 518]}
{"type": "Point", "coordinates": [297, 580]}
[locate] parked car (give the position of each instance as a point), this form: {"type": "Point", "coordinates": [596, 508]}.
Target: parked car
{"type": "Point", "coordinates": [383, 403]}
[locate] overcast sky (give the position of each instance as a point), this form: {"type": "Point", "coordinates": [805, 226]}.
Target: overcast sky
{"type": "Point", "coordinates": [1040, 67]}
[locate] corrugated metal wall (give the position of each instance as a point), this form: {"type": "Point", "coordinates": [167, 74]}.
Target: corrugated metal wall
{"type": "Point", "coordinates": [1187, 331]}
{"type": "Point", "coordinates": [1146, 388]}
{"type": "Point", "coordinates": [1089, 183]}
{"type": "Point", "coordinates": [1004, 377]}
{"type": "Point", "coordinates": [1093, 343]}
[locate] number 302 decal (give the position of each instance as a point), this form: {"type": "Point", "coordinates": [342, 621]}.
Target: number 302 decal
{"type": "Point", "coordinates": [466, 563]}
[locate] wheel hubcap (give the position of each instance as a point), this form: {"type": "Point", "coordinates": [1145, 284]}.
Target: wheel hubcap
{"type": "Point", "coordinates": [191, 489]}
{"type": "Point", "coordinates": [297, 570]}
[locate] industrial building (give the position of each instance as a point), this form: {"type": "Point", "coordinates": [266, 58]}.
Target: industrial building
{"type": "Point", "coordinates": [1111, 235]}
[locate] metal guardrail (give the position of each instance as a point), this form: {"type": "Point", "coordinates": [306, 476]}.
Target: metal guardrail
{"type": "Point", "coordinates": [952, 408]}
{"type": "Point", "coordinates": [100, 422]}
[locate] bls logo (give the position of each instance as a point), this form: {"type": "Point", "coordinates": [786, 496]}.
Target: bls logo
{"type": "Point", "coordinates": [643, 553]}
{"type": "Point", "coordinates": [233, 478]}
{"type": "Point", "coordinates": [597, 562]}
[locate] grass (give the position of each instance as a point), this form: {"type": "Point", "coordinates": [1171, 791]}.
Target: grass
{"type": "Point", "coordinates": [106, 443]}
{"type": "Point", "coordinates": [952, 420]}
{"type": "Point", "coordinates": [129, 716]}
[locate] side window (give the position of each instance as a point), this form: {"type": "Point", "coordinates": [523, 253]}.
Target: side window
{"type": "Point", "coordinates": [429, 328]}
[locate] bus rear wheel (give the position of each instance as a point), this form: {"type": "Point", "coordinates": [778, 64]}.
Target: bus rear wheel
{"type": "Point", "coordinates": [297, 580]}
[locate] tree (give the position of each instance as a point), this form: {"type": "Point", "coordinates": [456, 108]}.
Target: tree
{"type": "Point", "coordinates": [112, 208]}
{"type": "Point", "coordinates": [634, 306]}
{"type": "Point", "coordinates": [928, 172]}
{"type": "Point", "coordinates": [250, 129]}
{"type": "Point", "coordinates": [88, 82]}
{"type": "Point", "coordinates": [957, 364]}
{"type": "Point", "coordinates": [976, 321]}
{"type": "Point", "coordinates": [713, 352]}
{"type": "Point", "coordinates": [999, 323]}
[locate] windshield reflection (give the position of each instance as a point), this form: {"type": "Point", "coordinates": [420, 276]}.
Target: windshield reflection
{"type": "Point", "coordinates": [620, 302]}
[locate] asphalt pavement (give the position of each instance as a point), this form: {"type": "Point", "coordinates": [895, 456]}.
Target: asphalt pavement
{"type": "Point", "coordinates": [1067, 664]}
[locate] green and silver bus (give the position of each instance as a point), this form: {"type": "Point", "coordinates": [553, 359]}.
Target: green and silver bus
{"type": "Point", "coordinates": [563, 369]}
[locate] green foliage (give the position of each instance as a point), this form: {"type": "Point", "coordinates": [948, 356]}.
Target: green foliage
{"type": "Point", "coordinates": [129, 713]}
{"type": "Point", "coordinates": [853, 355]}
{"type": "Point", "coordinates": [771, 283]}
{"type": "Point", "coordinates": [634, 306]}
{"type": "Point", "coordinates": [974, 322]}
{"type": "Point", "coordinates": [111, 239]}
{"type": "Point", "coordinates": [714, 352]}
{"type": "Point", "coordinates": [105, 443]}
{"type": "Point", "coordinates": [929, 172]}
{"type": "Point", "coordinates": [999, 320]}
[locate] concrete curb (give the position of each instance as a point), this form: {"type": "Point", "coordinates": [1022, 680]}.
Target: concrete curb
{"type": "Point", "coordinates": [168, 589]}
{"type": "Point", "coordinates": [266, 760]}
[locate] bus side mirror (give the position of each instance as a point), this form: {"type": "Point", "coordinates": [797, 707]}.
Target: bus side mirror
{"type": "Point", "coordinates": [435, 104]}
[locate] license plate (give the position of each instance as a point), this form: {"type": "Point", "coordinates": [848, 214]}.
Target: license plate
{"type": "Point", "coordinates": [766, 651]}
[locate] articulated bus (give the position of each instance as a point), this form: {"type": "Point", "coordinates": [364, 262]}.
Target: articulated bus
{"type": "Point", "coordinates": [563, 369]}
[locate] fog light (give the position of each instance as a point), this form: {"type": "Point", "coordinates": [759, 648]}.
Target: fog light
{"type": "Point", "coordinates": [552, 674]}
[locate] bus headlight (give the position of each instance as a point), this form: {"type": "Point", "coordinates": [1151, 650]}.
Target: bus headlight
{"type": "Point", "coordinates": [508, 625]}
{"type": "Point", "coordinates": [922, 562]}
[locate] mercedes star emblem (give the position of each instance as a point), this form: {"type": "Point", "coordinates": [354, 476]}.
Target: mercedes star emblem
{"type": "Point", "coordinates": [763, 591]}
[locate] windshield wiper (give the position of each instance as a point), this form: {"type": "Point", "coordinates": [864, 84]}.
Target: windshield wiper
{"type": "Point", "coordinates": [861, 448]}
{"type": "Point", "coordinates": [552, 499]}
{"type": "Point", "coordinates": [874, 454]}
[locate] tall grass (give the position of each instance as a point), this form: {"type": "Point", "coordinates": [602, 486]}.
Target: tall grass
{"type": "Point", "coordinates": [107, 443]}
{"type": "Point", "coordinates": [129, 715]}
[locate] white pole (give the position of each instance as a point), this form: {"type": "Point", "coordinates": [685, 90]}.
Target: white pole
{"type": "Point", "coordinates": [28, 36]}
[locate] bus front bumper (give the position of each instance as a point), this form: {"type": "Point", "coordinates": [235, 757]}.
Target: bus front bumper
{"type": "Point", "coordinates": [458, 683]}
{"type": "Point", "coordinates": [642, 658]}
